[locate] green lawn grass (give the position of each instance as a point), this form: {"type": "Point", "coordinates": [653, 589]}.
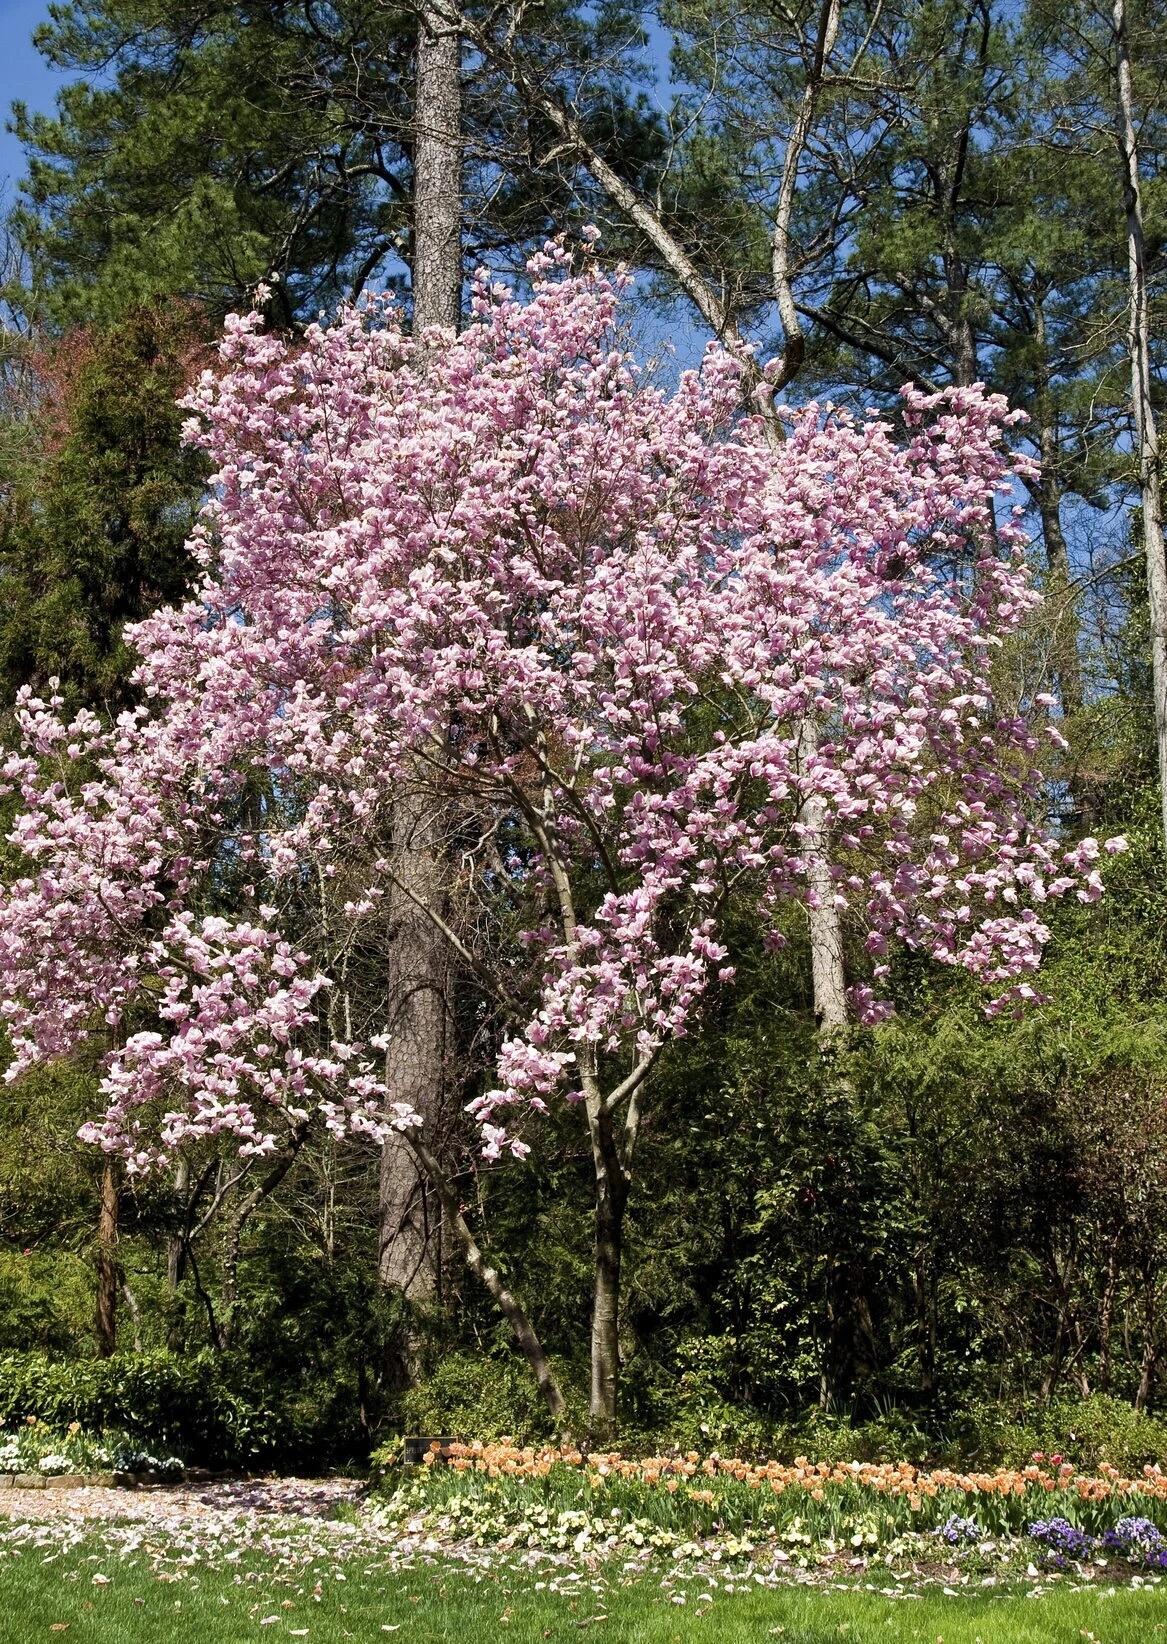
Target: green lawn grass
{"type": "Point", "coordinates": [49, 1597]}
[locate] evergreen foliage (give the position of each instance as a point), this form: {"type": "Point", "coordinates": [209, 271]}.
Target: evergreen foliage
{"type": "Point", "coordinates": [100, 498]}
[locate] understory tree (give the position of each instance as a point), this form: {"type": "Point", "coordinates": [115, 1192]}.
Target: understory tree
{"type": "Point", "coordinates": [623, 644]}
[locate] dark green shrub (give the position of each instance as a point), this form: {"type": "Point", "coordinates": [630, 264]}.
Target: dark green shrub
{"type": "Point", "coordinates": [184, 1406]}
{"type": "Point", "coordinates": [1089, 1431]}
{"type": "Point", "coordinates": [323, 1340]}
{"type": "Point", "coordinates": [476, 1397]}
{"type": "Point", "coordinates": [1084, 1431]}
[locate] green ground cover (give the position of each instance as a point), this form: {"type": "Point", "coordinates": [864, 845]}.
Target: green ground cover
{"type": "Point", "coordinates": [90, 1594]}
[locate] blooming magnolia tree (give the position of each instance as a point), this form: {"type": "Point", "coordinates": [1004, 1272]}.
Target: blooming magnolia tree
{"type": "Point", "coordinates": [620, 640]}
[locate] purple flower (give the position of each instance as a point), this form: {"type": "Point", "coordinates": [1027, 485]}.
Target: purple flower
{"type": "Point", "coordinates": [1060, 1536]}
{"type": "Point", "coordinates": [956, 1530]}
{"type": "Point", "coordinates": [1138, 1540]}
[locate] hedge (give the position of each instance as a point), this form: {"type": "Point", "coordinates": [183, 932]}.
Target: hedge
{"type": "Point", "coordinates": [181, 1406]}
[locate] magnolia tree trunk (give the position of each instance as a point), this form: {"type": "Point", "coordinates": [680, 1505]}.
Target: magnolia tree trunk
{"type": "Point", "coordinates": [108, 1267]}
{"type": "Point", "coordinates": [507, 1302]}
{"type": "Point", "coordinates": [610, 1203]}
{"type": "Point", "coordinates": [410, 1245]}
{"type": "Point", "coordinates": [1146, 432]}
{"type": "Point", "coordinates": [176, 1244]}
{"type": "Point", "coordinates": [828, 978]}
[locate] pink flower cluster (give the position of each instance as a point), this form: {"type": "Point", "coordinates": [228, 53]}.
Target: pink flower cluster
{"type": "Point", "coordinates": [592, 619]}
{"type": "Point", "coordinates": [236, 1006]}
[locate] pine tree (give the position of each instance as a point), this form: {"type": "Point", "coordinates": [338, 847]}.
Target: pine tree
{"type": "Point", "coordinates": [93, 534]}
{"type": "Point", "coordinates": [206, 147]}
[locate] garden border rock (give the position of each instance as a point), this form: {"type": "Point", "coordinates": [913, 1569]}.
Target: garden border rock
{"type": "Point", "coordinates": [103, 1481]}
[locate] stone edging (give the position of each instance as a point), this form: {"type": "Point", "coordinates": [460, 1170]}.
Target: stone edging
{"type": "Point", "coordinates": [77, 1481]}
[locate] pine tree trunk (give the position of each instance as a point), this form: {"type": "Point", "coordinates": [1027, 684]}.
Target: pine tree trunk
{"type": "Point", "coordinates": [437, 181]}
{"type": "Point", "coordinates": [1067, 666]}
{"type": "Point", "coordinates": [410, 1250]}
{"type": "Point", "coordinates": [1146, 431]}
{"type": "Point", "coordinates": [108, 1267]}
{"type": "Point", "coordinates": [410, 1256]}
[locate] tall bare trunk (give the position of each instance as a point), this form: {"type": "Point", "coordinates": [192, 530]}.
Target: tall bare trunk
{"type": "Point", "coordinates": [108, 1267]}
{"type": "Point", "coordinates": [826, 940]}
{"type": "Point", "coordinates": [437, 179]}
{"type": "Point", "coordinates": [965, 365]}
{"type": "Point", "coordinates": [410, 1248]}
{"type": "Point", "coordinates": [794, 346]}
{"type": "Point", "coordinates": [1048, 495]}
{"type": "Point", "coordinates": [1146, 432]}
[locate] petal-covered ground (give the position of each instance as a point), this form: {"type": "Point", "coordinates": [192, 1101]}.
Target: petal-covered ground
{"type": "Point", "coordinates": [320, 1559]}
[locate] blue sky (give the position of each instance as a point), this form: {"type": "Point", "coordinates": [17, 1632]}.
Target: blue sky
{"type": "Point", "coordinates": [24, 74]}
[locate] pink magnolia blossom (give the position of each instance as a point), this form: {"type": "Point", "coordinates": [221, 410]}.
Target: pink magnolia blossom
{"type": "Point", "coordinates": [596, 619]}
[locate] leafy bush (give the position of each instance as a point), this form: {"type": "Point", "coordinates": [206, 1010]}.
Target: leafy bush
{"type": "Point", "coordinates": [478, 1397]}
{"type": "Point", "coordinates": [1086, 1431]}
{"type": "Point", "coordinates": [163, 1403]}
{"type": "Point", "coordinates": [705, 1422]}
{"type": "Point", "coordinates": [1097, 1429]}
{"type": "Point", "coordinates": [474, 1396]}
{"type": "Point", "coordinates": [322, 1339]}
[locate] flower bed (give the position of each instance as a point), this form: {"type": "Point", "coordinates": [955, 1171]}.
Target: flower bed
{"type": "Point", "coordinates": [1048, 1515]}
{"type": "Point", "coordinates": [35, 1453]}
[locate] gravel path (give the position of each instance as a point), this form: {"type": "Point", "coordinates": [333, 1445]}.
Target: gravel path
{"type": "Point", "coordinates": [312, 1500]}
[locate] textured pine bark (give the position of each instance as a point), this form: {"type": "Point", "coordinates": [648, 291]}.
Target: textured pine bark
{"type": "Point", "coordinates": [437, 180]}
{"type": "Point", "coordinates": [1048, 495]}
{"type": "Point", "coordinates": [410, 1215]}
